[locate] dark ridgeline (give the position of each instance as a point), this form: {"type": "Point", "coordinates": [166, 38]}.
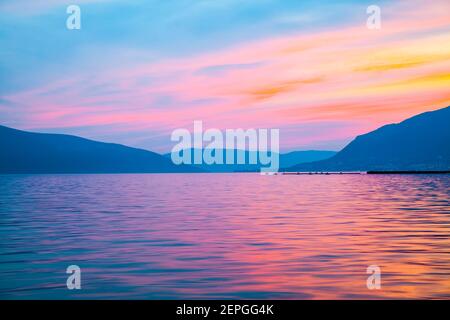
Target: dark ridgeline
{"type": "Point", "coordinates": [27, 152]}
{"type": "Point", "coordinates": [420, 143]}
{"type": "Point", "coordinates": [296, 157]}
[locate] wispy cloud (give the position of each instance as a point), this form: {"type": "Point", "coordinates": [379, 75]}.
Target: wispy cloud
{"type": "Point", "coordinates": [337, 82]}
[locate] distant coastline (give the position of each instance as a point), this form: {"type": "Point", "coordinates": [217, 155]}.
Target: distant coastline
{"type": "Point", "coordinates": [370, 172]}
{"type": "Point", "coordinates": [418, 145]}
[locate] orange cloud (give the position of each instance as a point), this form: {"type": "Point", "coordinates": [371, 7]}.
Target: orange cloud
{"type": "Point", "coordinates": [353, 75]}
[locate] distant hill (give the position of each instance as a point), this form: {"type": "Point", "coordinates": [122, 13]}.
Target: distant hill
{"type": "Point", "coordinates": [27, 152]}
{"type": "Point", "coordinates": [418, 143]}
{"type": "Point", "coordinates": [297, 157]}
{"type": "Point", "coordinates": [286, 160]}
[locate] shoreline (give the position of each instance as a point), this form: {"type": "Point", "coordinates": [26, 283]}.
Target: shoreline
{"type": "Point", "coordinates": [367, 172]}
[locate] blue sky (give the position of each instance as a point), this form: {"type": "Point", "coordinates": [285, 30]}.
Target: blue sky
{"type": "Point", "coordinates": [137, 70]}
{"type": "Point", "coordinates": [36, 46]}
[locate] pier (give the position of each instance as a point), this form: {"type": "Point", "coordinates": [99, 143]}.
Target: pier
{"type": "Point", "coordinates": [365, 172]}
{"type": "Point", "coordinates": [322, 172]}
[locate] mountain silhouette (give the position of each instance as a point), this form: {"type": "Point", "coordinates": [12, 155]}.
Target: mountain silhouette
{"type": "Point", "coordinates": [296, 157]}
{"type": "Point", "coordinates": [418, 143]}
{"type": "Point", "coordinates": [286, 160]}
{"type": "Point", "coordinates": [28, 152]}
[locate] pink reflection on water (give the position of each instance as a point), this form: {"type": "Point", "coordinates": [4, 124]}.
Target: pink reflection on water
{"type": "Point", "coordinates": [241, 235]}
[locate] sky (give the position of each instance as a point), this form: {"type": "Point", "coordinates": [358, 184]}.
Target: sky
{"type": "Point", "coordinates": [137, 70]}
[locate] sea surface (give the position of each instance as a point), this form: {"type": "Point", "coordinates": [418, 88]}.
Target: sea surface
{"type": "Point", "coordinates": [205, 236]}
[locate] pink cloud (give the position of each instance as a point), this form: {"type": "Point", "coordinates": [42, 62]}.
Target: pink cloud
{"type": "Point", "coordinates": [368, 77]}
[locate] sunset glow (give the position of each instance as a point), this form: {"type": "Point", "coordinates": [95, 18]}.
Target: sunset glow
{"type": "Point", "coordinates": [321, 87]}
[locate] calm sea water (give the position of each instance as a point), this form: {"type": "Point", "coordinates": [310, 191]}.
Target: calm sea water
{"type": "Point", "coordinates": [165, 236]}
